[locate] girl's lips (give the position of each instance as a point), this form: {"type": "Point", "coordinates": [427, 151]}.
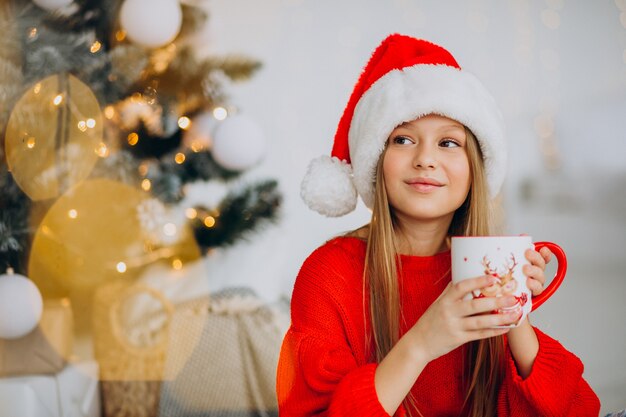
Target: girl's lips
{"type": "Point", "coordinates": [424, 185]}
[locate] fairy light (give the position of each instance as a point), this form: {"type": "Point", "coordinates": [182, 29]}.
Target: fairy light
{"type": "Point", "coordinates": [58, 99]}
{"type": "Point", "coordinates": [120, 35]}
{"type": "Point", "coordinates": [133, 138]}
{"type": "Point", "coordinates": [169, 229]}
{"type": "Point", "coordinates": [209, 221]}
{"type": "Point", "coordinates": [102, 150]}
{"type": "Point", "coordinates": [220, 113]}
{"type": "Point", "coordinates": [184, 122]}
{"type": "Point", "coordinates": [91, 123]}
{"type": "Point", "coordinates": [37, 88]}
{"type": "Point", "coordinates": [32, 33]}
{"type": "Point", "coordinates": [121, 267]}
{"type": "Point", "coordinates": [109, 112]}
{"type": "Point", "coordinates": [179, 158]}
{"type": "Point", "coordinates": [72, 214]}
{"type": "Point", "coordinates": [82, 126]}
{"type": "Point", "coordinates": [30, 142]}
{"type": "Point", "coordinates": [146, 184]}
{"type": "Point", "coordinates": [143, 169]}
{"type": "Point", "coordinates": [95, 47]}
{"type": "Point", "coordinates": [177, 264]}
{"type": "Point", "coordinates": [191, 213]}
{"type": "Point", "coordinates": [197, 146]}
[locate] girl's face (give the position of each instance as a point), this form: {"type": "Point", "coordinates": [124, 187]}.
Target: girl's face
{"type": "Point", "coordinates": [426, 168]}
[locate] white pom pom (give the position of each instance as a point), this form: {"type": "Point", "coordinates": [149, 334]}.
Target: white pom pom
{"type": "Point", "coordinates": [327, 187]}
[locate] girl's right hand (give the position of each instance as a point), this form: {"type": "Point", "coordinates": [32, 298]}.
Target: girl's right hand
{"type": "Point", "coordinates": [451, 321]}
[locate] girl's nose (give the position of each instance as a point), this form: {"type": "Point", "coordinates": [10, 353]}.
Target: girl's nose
{"type": "Point", "coordinates": [424, 157]}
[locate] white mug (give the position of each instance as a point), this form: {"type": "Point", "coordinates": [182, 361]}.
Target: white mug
{"type": "Point", "coordinates": [503, 258]}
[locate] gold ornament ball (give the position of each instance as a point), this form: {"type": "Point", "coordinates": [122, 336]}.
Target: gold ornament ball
{"type": "Point", "coordinates": [53, 135]}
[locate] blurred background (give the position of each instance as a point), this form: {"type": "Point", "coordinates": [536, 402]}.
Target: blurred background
{"type": "Point", "coordinates": [556, 67]}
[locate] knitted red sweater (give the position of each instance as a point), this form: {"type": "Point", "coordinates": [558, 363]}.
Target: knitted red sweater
{"type": "Point", "coordinates": [323, 370]}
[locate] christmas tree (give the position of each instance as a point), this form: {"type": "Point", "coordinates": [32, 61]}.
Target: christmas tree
{"type": "Point", "coordinates": [106, 115]}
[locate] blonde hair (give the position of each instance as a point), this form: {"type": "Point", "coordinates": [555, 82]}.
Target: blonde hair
{"type": "Point", "coordinates": [485, 357]}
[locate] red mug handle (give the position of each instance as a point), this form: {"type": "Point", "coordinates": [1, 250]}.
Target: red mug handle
{"type": "Point", "coordinates": [558, 277]}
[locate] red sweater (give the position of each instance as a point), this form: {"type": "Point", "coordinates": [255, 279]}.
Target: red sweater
{"type": "Point", "coordinates": [323, 369]}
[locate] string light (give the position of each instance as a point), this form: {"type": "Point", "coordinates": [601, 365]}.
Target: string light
{"type": "Point", "coordinates": [91, 123]}
{"type": "Point", "coordinates": [220, 113]}
{"type": "Point", "coordinates": [58, 100]}
{"type": "Point", "coordinates": [169, 229]}
{"type": "Point", "coordinates": [121, 267]}
{"type": "Point", "coordinates": [72, 214]}
{"type": "Point", "coordinates": [184, 122]}
{"type": "Point", "coordinates": [191, 213]}
{"type": "Point", "coordinates": [177, 264]}
{"type": "Point", "coordinates": [146, 184]}
{"type": "Point", "coordinates": [143, 169]}
{"type": "Point", "coordinates": [133, 138]}
{"type": "Point", "coordinates": [209, 221]}
{"type": "Point", "coordinates": [179, 158]}
{"type": "Point", "coordinates": [120, 35]}
{"type": "Point", "coordinates": [109, 112]}
{"type": "Point", "coordinates": [82, 126]}
{"type": "Point", "coordinates": [32, 33]}
{"type": "Point", "coordinates": [37, 88]}
{"type": "Point", "coordinates": [30, 142]}
{"type": "Point", "coordinates": [95, 47]}
{"type": "Point", "coordinates": [102, 150]}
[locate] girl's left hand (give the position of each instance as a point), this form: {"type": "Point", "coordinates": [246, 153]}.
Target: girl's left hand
{"type": "Point", "coordinates": [535, 271]}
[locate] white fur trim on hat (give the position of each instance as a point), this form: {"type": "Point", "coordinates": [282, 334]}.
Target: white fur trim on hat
{"type": "Point", "coordinates": [404, 95]}
{"type": "Point", "coordinates": [327, 187]}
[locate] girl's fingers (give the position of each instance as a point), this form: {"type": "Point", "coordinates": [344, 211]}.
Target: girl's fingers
{"type": "Point", "coordinates": [486, 321]}
{"type": "Point", "coordinates": [462, 288]}
{"type": "Point", "coordinates": [485, 305]}
{"type": "Point", "coordinates": [487, 333]}
{"type": "Point", "coordinates": [546, 254]}
{"type": "Point", "coordinates": [535, 273]}
{"type": "Point", "coordinates": [534, 286]}
{"type": "Point", "coordinates": [535, 258]}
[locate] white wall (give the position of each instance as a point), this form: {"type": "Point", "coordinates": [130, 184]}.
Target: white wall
{"type": "Point", "coordinates": [562, 61]}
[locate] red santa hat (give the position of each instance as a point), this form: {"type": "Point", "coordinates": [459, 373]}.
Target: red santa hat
{"type": "Point", "coordinates": [405, 78]}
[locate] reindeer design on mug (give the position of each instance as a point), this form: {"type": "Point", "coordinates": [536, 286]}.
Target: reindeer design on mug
{"type": "Point", "coordinates": [506, 284]}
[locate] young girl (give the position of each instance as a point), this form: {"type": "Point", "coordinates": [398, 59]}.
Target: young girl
{"type": "Point", "coordinates": [377, 328]}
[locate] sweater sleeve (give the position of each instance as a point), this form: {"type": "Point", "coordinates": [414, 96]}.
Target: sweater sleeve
{"type": "Point", "coordinates": [554, 388]}
{"type": "Point", "coordinates": [318, 372]}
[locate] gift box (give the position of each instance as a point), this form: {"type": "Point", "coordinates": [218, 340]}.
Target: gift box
{"type": "Point", "coordinates": [46, 349]}
{"type": "Point", "coordinates": [73, 392]}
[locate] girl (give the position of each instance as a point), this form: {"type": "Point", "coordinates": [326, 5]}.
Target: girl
{"type": "Point", "coordinates": [377, 328]}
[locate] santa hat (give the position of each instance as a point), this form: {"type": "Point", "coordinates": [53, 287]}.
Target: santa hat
{"type": "Point", "coordinates": [405, 78]}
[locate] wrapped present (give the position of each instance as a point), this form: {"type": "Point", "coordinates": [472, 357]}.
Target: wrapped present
{"type": "Point", "coordinates": [46, 349]}
{"type": "Point", "coordinates": [73, 392]}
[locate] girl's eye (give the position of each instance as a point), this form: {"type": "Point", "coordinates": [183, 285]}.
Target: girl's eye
{"type": "Point", "coordinates": [401, 140]}
{"type": "Point", "coordinates": [449, 143]}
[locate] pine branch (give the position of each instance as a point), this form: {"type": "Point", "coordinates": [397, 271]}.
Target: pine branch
{"type": "Point", "coordinates": [14, 228]}
{"type": "Point", "coordinates": [239, 215]}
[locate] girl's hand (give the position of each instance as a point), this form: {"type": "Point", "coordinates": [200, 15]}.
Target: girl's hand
{"type": "Point", "coordinates": [451, 321]}
{"type": "Point", "coordinates": [535, 271]}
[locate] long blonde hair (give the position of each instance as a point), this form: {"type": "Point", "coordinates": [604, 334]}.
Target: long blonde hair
{"type": "Point", "coordinates": [485, 357]}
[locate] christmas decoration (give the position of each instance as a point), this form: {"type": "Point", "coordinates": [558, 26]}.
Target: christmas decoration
{"type": "Point", "coordinates": [151, 23]}
{"type": "Point", "coordinates": [239, 143]}
{"type": "Point", "coordinates": [52, 5]}
{"type": "Point", "coordinates": [52, 135]}
{"type": "Point", "coordinates": [21, 305]}
{"type": "Point", "coordinates": [106, 122]}
{"type": "Point", "coordinates": [199, 134]}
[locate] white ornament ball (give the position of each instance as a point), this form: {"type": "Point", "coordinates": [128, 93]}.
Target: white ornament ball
{"type": "Point", "coordinates": [52, 5]}
{"type": "Point", "coordinates": [238, 143]}
{"type": "Point", "coordinates": [199, 135]}
{"type": "Point", "coordinates": [151, 23]}
{"type": "Point", "coordinates": [21, 306]}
